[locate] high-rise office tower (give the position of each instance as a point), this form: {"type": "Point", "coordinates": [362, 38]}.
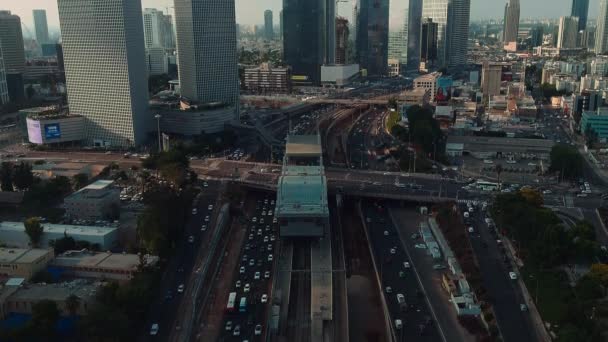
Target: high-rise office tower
{"type": "Point", "coordinates": [268, 30]}
{"type": "Point", "coordinates": [372, 35]}
{"type": "Point", "coordinates": [511, 21]}
{"type": "Point", "coordinates": [4, 98]}
{"type": "Point", "coordinates": [281, 24]}
{"type": "Point", "coordinates": [11, 42]}
{"type": "Point", "coordinates": [452, 17]}
{"type": "Point", "coordinates": [536, 36]}
{"type": "Point", "coordinates": [428, 43]}
{"type": "Point", "coordinates": [580, 9]}
{"type": "Point", "coordinates": [405, 20]}
{"type": "Point", "coordinates": [207, 56]}
{"type": "Point", "coordinates": [601, 32]}
{"type": "Point", "coordinates": [309, 38]}
{"type": "Point", "coordinates": [41, 27]}
{"type": "Point", "coordinates": [105, 69]}
{"type": "Point", "coordinates": [568, 32]}
{"type": "Point", "coordinates": [168, 32]}
{"type": "Point", "coordinates": [354, 21]}
{"type": "Point", "coordinates": [342, 33]}
{"type": "Point", "coordinates": [154, 28]}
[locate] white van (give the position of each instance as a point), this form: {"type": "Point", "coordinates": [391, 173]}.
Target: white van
{"type": "Point", "coordinates": [398, 324]}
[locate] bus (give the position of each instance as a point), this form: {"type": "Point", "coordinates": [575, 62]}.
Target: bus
{"type": "Point", "coordinates": [487, 186]}
{"type": "Point", "coordinates": [231, 301]}
{"type": "Point", "coordinates": [243, 305]}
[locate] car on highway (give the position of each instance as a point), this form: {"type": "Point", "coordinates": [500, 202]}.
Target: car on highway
{"type": "Point", "coordinates": [267, 274]}
{"type": "Point", "coordinates": [258, 330]}
{"type": "Point", "coordinates": [154, 329]}
{"type": "Point", "coordinates": [513, 275]}
{"type": "Point", "coordinates": [523, 307]}
{"type": "Point", "coordinates": [194, 211]}
{"type": "Point", "coordinates": [269, 257]}
{"type": "Point", "coordinates": [228, 326]}
{"type": "Point", "coordinates": [256, 276]}
{"type": "Point", "coordinates": [251, 262]}
{"type": "Point", "coordinates": [237, 330]}
{"type": "Point", "coordinates": [206, 218]}
{"type": "Point", "coordinates": [406, 264]}
{"type": "Point", "coordinates": [438, 267]}
{"type": "Point", "coordinates": [386, 233]}
{"type": "Point", "coordinates": [264, 298]}
{"type": "Point", "coordinates": [238, 284]}
{"type": "Point", "coordinates": [210, 207]}
{"type": "Point", "coordinates": [242, 270]}
{"type": "Point", "coordinates": [180, 288]}
{"type": "Point", "coordinates": [191, 239]}
{"type": "Point", "coordinates": [393, 251]}
{"type": "Point", "coordinates": [254, 219]}
{"type": "Point", "coordinates": [203, 227]}
{"type": "Point", "coordinates": [247, 288]}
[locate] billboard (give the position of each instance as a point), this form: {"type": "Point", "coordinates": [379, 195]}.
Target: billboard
{"type": "Point", "coordinates": [52, 131]}
{"type": "Point", "coordinates": [33, 131]}
{"type": "Point", "coordinates": [444, 89]}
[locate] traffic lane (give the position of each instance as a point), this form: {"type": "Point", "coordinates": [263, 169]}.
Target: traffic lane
{"type": "Point", "coordinates": [504, 294]}
{"type": "Point", "coordinates": [416, 318]}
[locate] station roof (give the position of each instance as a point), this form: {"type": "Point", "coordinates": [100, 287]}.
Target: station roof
{"type": "Point", "coordinates": [302, 195]}
{"type": "Point", "coordinates": [60, 229]}
{"type": "Point", "coordinates": [496, 144]}
{"type": "Point", "coordinates": [303, 146]}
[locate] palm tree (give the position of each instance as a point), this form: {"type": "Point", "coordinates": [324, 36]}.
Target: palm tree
{"type": "Point", "coordinates": [498, 172]}
{"type": "Point", "coordinates": [72, 304]}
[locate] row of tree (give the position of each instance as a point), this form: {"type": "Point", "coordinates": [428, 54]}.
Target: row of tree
{"type": "Point", "coordinates": [17, 176]}
{"type": "Point", "coordinates": [566, 161]}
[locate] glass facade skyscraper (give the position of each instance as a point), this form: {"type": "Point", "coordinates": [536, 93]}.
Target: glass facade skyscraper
{"type": "Point", "coordinates": [405, 18]}
{"type": "Point", "coordinates": [452, 18]}
{"type": "Point", "coordinates": [41, 26]}
{"type": "Point", "coordinates": [372, 35]}
{"type": "Point", "coordinates": [580, 9]}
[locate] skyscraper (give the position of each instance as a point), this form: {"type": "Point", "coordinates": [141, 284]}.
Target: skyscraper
{"type": "Point", "coordinates": [168, 32]}
{"type": "Point", "coordinates": [601, 32]}
{"type": "Point", "coordinates": [309, 37]}
{"type": "Point", "coordinates": [3, 86]}
{"type": "Point", "coordinates": [268, 30]}
{"type": "Point", "coordinates": [536, 36]}
{"type": "Point", "coordinates": [42, 29]}
{"type": "Point", "coordinates": [281, 24]}
{"type": "Point", "coordinates": [404, 33]}
{"type": "Point", "coordinates": [372, 35]}
{"type": "Point", "coordinates": [452, 18]}
{"type": "Point", "coordinates": [11, 42]}
{"type": "Point", "coordinates": [105, 69]}
{"type": "Point", "coordinates": [568, 32]}
{"type": "Point", "coordinates": [428, 43]}
{"type": "Point", "coordinates": [154, 22]}
{"type": "Point", "coordinates": [580, 9]}
{"type": "Point", "coordinates": [207, 56]}
{"type": "Point", "coordinates": [511, 21]}
{"type": "Point", "coordinates": [342, 33]}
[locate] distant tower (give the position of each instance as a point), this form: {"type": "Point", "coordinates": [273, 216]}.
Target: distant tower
{"type": "Point", "coordinates": [428, 43]}
{"type": "Point", "coordinates": [342, 32]}
{"type": "Point", "coordinates": [105, 69]}
{"type": "Point", "coordinates": [372, 35]}
{"type": "Point", "coordinates": [41, 27]}
{"type": "Point", "coordinates": [452, 17]}
{"type": "Point", "coordinates": [601, 33]}
{"type": "Point", "coordinates": [568, 32]}
{"type": "Point", "coordinates": [268, 30]}
{"type": "Point", "coordinates": [580, 9]}
{"type": "Point", "coordinates": [154, 23]}
{"type": "Point", "coordinates": [11, 42]}
{"type": "Point", "coordinates": [511, 21]}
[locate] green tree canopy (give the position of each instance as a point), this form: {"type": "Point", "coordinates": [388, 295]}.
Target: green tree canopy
{"type": "Point", "coordinates": [23, 177]}
{"type": "Point", "coordinates": [567, 161]}
{"type": "Point", "coordinates": [34, 230]}
{"type": "Point", "coordinates": [6, 176]}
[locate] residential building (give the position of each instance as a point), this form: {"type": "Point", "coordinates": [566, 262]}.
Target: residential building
{"type": "Point", "coordinates": [491, 77]}
{"type": "Point", "coordinates": [601, 32]}
{"type": "Point", "coordinates": [154, 28]}
{"type": "Point", "coordinates": [404, 33]}
{"type": "Point", "coordinates": [23, 263]}
{"type": "Point", "coordinates": [157, 61]}
{"type": "Point", "coordinates": [11, 42]}
{"type": "Point", "coordinates": [97, 201]}
{"type": "Point", "coordinates": [580, 9]}
{"type": "Point", "coordinates": [105, 69]}
{"type": "Point", "coordinates": [103, 266]}
{"type": "Point", "coordinates": [596, 122]}
{"type": "Point", "coordinates": [309, 38]}
{"type": "Point", "coordinates": [342, 35]}
{"type": "Point", "coordinates": [428, 44]}
{"type": "Point", "coordinates": [267, 79]}
{"type": "Point", "coordinates": [207, 56]}
{"type": "Point", "coordinates": [41, 27]}
{"type": "Point", "coordinates": [418, 96]}
{"type": "Point", "coordinates": [536, 36]}
{"type": "Point", "coordinates": [587, 38]}
{"type": "Point", "coordinates": [599, 66]}
{"type": "Point", "coordinates": [568, 33]}
{"type": "Point", "coordinates": [268, 29]}
{"type": "Point", "coordinates": [13, 234]}
{"type": "Point", "coordinates": [511, 22]}
{"type": "Point", "coordinates": [428, 82]}
{"type": "Point", "coordinates": [168, 32]}
{"type": "Point", "coordinates": [452, 17]}
{"type": "Point", "coordinates": [373, 35]}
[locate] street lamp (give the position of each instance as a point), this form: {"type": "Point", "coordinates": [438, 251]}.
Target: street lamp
{"type": "Point", "coordinates": [157, 117]}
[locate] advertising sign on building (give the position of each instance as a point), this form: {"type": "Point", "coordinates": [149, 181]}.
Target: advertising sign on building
{"type": "Point", "coordinates": [52, 131]}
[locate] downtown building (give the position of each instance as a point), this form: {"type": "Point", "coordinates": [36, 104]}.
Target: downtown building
{"type": "Point", "coordinates": [511, 22]}
{"type": "Point", "coordinates": [309, 38]}
{"type": "Point", "coordinates": [405, 20]}
{"type": "Point", "coordinates": [41, 27]}
{"type": "Point", "coordinates": [580, 9]}
{"type": "Point", "coordinates": [601, 32]}
{"type": "Point", "coordinates": [158, 29]}
{"type": "Point", "coordinates": [208, 67]}
{"type": "Point", "coordinates": [268, 29]}
{"type": "Point", "coordinates": [428, 45]}
{"type": "Point", "coordinates": [372, 36]}
{"type": "Point", "coordinates": [342, 35]}
{"type": "Point", "coordinates": [4, 98]}
{"type": "Point", "coordinates": [452, 18]}
{"type": "Point", "coordinates": [103, 49]}
{"type": "Point", "coordinates": [11, 44]}
{"type": "Point", "coordinates": [567, 33]}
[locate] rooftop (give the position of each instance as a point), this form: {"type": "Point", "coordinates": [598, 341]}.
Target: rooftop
{"type": "Point", "coordinates": [21, 255]}
{"type": "Point", "coordinates": [302, 195]}
{"type": "Point", "coordinates": [60, 229]}
{"type": "Point", "coordinates": [475, 143]}
{"type": "Point", "coordinates": [100, 260]}
{"type": "Point", "coordinates": [303, 145]}
{"type": "Point", "coordinates": [56, 292]}
{"type": "Point", "coordinates": [98, 185]}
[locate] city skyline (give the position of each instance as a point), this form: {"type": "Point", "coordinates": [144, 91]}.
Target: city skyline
{"type": "Point", "coordinates": [246, 10]}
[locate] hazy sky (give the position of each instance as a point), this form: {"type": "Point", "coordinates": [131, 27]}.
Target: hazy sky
{"type": "Point", "coordinates": [252, 11]}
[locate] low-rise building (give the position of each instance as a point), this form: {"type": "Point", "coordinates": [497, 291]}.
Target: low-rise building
{"type": "Point", "coordinates": [53, 128]}
{"type": "Point", "coordinates": [267, 79]}
{"type": "Point", "coordinates": [339, 75]}
{"type": "Point", "coordinates": [13, 234]}
{"type": "Point", "coordinates": [104, 265]}
{"type": "Point", "coordinates": [596, 122]}
{"type": "Point", "coordinates": [96, 201]}
{"type": "Point", "coordinates": [429, 83]}
{"type": "Point", "coordinates": [23, 263]}
{"type": "Point", "coordinates": [491, 147]}
{"type": "Point", "coordinates": [418, 96]}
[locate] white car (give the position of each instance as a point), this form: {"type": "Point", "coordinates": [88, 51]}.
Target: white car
{"type": "Point", "coordinates": [274, 220]}
{"type": "Point", "coordinates": [389, 289]}
{"type": "Point", "coordinates": [191, 239]}
{"type": "Point", "coordinates": [206, 218]}
{"type": "Point", "coordinates": [513, 275]}
{"type": "Point", "coordinates": [386, 233]}
{"type": "Point", "coordinates": [237, 330]}
{"type": "Point", "coordinates": [471, 230]}
{"type": "Point", "coordinates": [210, 207]}
{"type": "Point", "coordinates": [269, 257]}
{"type": "Point", "coordinates": [242, 270]}
{"type": "Point", "coordinates": [271, 237]}
{"type": "Point", "coordinates": [228, 325]}
{"type": "Point", "coordinates": [267, 274]}
{"type": "Point", "coordinates": [154, 329]}
{"type": "Point", "coordinates": [258, 330]}
{"type": "Point", "coordinates": [238, 284]}
{"type": "Point", "coordinates": [256, 276]}
{"type": "Point", "coordinates": [264, 298]}
{"type": "Point", "coordinates": [393, 251]}
{"type": "Point", "coordinates": [203, 228]}
{"type": "Point", "coordinates": [246, 288]}
{"type": "Point", "coordinates": [254, 220]}
{"type": "Point", "coordinates": [180, 288]}
{"type": "Point", "coordinates": [194, 211]}
{"type": "Point", "coordinates": [264, 213]}
{"type": "Point", "coordinates": [406, 264]}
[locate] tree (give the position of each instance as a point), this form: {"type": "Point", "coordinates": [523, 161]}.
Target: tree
{"type": "Point", "coordinates": [34, 230]}
{"type": "Point", "coordinates": [392, 103]}
{"type": "Point", "coordinates": [567, 161]}
{"type": "Point", "coordinates": [591, 137]}
{"type": "Point", "coordinates": [23, 177]}
{"type": "Point", "coordinates": [6, 176]}
{"type": "Point", "coordinates": [599, 272]}
{"type": "Point", "coordinates": [66, 243]}
{"type": "Point", "coordinates": [72, 304]}
{"type": "Point", "coordinates": [45, 315]}
{"type": "Point", "coordinates": [532, 197]}
{"type": "Point", "coordinates": [80, 180]}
